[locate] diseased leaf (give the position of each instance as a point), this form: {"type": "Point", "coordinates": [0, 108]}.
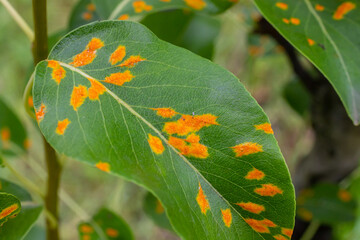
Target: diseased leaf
{"type": "Point", "coordinates": [9, 207]}
{"type": "Point", "coordinates": [327, 32]}
{"type": "Point", "coordinates": [155, 210]}
{"type": "Point", "coordinates": [115, 96]}
{"type": "Point", "coordinates": [83, 13]}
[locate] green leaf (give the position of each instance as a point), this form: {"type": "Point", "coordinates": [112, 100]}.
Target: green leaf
{"type": "Point", "coordinates": [83, 13]}
{"type": "Point", "coordinates": [155, 210]}
{"type": "Point", "coordinates": [170, 121]}
{"type": "Point", "coordinates": [111, 226]}
{"type": "Point", "coordinates": [194, 32]}
{"type": "Point", "coordinates": [326, 32]}
{"type": "Point", "coordinates": [297, 97]}
{"type": "Point", "coordinates": [12, 133]}
{"type": "Point", "coordinates": [326, 203]}
{"type": "Point", "coordinates": [9, 207]}
{"type": "Point", "coordinates": [14, 189]}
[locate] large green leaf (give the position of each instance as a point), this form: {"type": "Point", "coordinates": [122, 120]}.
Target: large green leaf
{"type": "Point", "coordinates": [168, 120]}
{"type": "Point", "coordinates": [9, 207]}
{"type": "Point", "coordinates": [327, 32]}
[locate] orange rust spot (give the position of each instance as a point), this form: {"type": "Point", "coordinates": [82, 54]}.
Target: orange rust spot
{"type": "Point", "coordinates": [87, 16]}
{"type": "Point", "coordinates": [95, 90]}
{"type": "Point", "coordinates": [311, 42]}
{"type": "Point", "coordinates": [9, 210]}
{"type": "Point", "coordinates": [193, 149]}
{"type": "Point", "coordinates": [319, 7]}
{"type": "Point", "coordinates": [202, 201]}
{"type": "Point", "coordinates": [266, 127]}
{"type": "Point", "coordinates": [287, 232]}
{"type": "Point", "coordinates": [112, 232]}
{"type": "Point", "coordinates": [118, 55]}
{"type": "Point", "coordinates": [187, 124]}
{"type": "Point", "coordinates": [268, 223]}
{"type": "Point", "coordinates": [165, 0]}
{"type": "Point", "coordinates": [5, 135]}
{"type": "Point", "coordinates": [285, 20]}
{"type": "Point", "coordinates": [119, 78]}
{"type": "Point", "coordinates": [140, 6]}
{"type": "Point", "coordinates": [196, 4]}
{"type": "Point", "coordinates": [78, 96]}
{"type": "Point", "coordinates": [86, 229]}
{"type": "Point", "coordinates": [227, 217]}
{"type": "Point", "coordinates": [58, 72]}
{"type": "Point", "coordinates": [131, 61]}
{"type": "Point", "coordinates": [124, 17]}
{"type": "Point", "coordinates": [251, 207]}
{"type": "Point", "coordinates": [305, 214]}
{"type": "Point", "coordinates": [295, 21]}
{"type": "Point", "coordinates": [255, 174]}
{"type": "Point", "coordinates": [40, 113]}
{"type": "Point", "coordinates": [30, 101]}
{"type": "Point", "coordinates": [256, 50]}
{"type": "Point", "coordinates": [89, 54]}
{"type": "Point", "coordinates": [62, 125]}
{"type": "Point", "coordinates": [86, 237]}
{"type": "Point", "coordinates": [344, 195]}
{"type": "Point", "coordinates": [155, 144]}
{"type": "Point", "coordinates": [103, 166]}
{"type": "Point", "coordinates": [261, 226]}
{"type": "Point", "coordinates": [268, 190]}
{"type": "Point", "coordinates": [343, 9]}
{"type": "Point", "coordinates": [280, 237]}
{"type": "Point", "coordinates": [193, 138]}
{"type": "Point", "coordinates": [27, 144]}
{"type": "Point", "coordinates": [282, 5]}
{"type": "Point", "coordinates": [165, 112]}
{"type": "Point", "coordinates": [159, 207]}
{"type": "Point", "coordinates": [91, 7]}
{"type": "Point", "coordinates": [247, 148]}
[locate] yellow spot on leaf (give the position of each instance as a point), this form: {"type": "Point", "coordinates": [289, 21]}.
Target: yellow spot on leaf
{"type": "Point", "coordinates": [261, 226]}
{"type": "Point", "coordinates": [30, 101]}
{"type": "Point", "coordinates": [140, 6]}
{"type": "Point", "coordinates": [187, 124]}
{"type": "Point", "coordinates": [343, 9]}
{"type": "Point", "coordinates": [287, 232]}
{"type": "Point", "coordinates": [266, 127]}
{"type": "Point", "coordinates": [103, 166]}
{"type": "Point", "coordinates": [78, 96]}
{"type": "Point", "coordinates": [159, 207]}
{"type": "Point", "coordinates": [89, 54]}
{"type": "Point", "coordinates": [344, 195]}
{"type": "Point", "coordinates": [9, 210]}
{"type": "Point", "coordinates": [87, 16]}
{"type": "Point", "coordinates": [40, 113]}
{"type": "Point", "coordinates": [295, 21]}
{"type": "Point", "coordinates": [285, 20]}
{"type": "Point", "coordinates": [155, 144]}
{"type": "Point", "coordinates": [202, 201]}
{"type": "Point", "coordinates": [5, 136]}
{"type": "Point", "coordinates": [305, 214]}
{"type": "Point", "coordinates": [280, 237]}
{"type": "Point", "coordinates": [118, 55]}
{"type": "Point", "coordinates": [282, 5]}
{"type": "Point", "coordinates": [247, 148]}
{"type": "Point", "coordinates": [319, 7]}
{"type": "Point", "coordinates": [196, 4]}
{"type": "Point", "coordinates": [62, 125]}
{"type": "Point", "coordinates": [84, 228]}
{"type": "Point", "coordinates": [227, 217]}
{"type": "Point", "coordinates": [311, 42]}
{"type": "Point", "coordinates": [131, 61]}
{"type": "Point", "coordinates": [96, 89]}
{"type": "Point", "coordinates": [255, 174]}
{"type": "Point", "coordinates": [124, 17]}
{"type": "Point", "coordinates": [268, 190]}
{"type": "Point", "coordinates": [119, 78]}
{"type": "Point", "coordinates": [251, 207]}
{"type": "Point", "coordinates": [165, 112]}
{"type": "Point", "coordinates": [58, 72]}
{"type": "Point", "coordinates": [91, 7]}
{"type": "Point", "coordinates": [112, 232]}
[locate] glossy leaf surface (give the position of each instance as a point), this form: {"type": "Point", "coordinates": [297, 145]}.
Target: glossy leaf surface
{"type": "Point", "coordinates": [327, 32]}
{"type": "Point", "coordinates": [115, 96]}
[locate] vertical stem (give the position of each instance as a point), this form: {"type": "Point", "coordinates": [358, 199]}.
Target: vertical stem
{"type": "Point", "coordinates": [40, 52]}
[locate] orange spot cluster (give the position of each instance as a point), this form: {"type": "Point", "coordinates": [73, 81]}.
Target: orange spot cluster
{"type": "Point", "coordinates": [343, 9]}
{"type": "Point", "coordinates": [190, 146]}
{"type": "Point", "coordinates": [165, 112]}
{"type": "Point", "coordinates": [155, 144]}
{"type": "Point", "coordinates": [131, 61]}
{"type": "Point", "coordinates": [247, 148]}
{"type": "Point", "coordinates": [266, 127]}
{"type": "Point", "coordinates": [40, 113]}
{"type": "Point", "coordinates": [118, 55]}
{"type": "Point", "coordinates": [95, 90]}
{"type": "Point", "coordinates": [187, 124]}
{"type": "Point", "coordinates": [159, 207]}
{"type": "Point", "coordinates": [78, 96]}
{"type": "Point", "coordinates": [5, 136]}
{"type": "Point", "coordinates": [62, 125]}
{"type": "Point", "coordinates": [287, 232]}
{"type": "Point", "coordinates": [202, 201]}
{"type": "Point", "coordinates": [140, 6]}
{"type": "Point", "coordinates": [88, 55]}
{"type": "Point", "coordinates": [255, 174]}
{"type": "Point", "coordinates": [294, 21]}
{"type": "Point", "coordinates": [268, 190]}
{"type": "Point", "coordinates": [58, 72]}
{"type": "Point", "coordinates": [251, 207]}
{"type": "Point", "coordinates": [282, 5]}
{"type": "Point", "coordinates": [9, 210]}
{"type": "Point", "coordinates": [84, 228]}
{"type": "Point", "coordinates": [344, 195]}
{"type": "Point", "coordinates": [227, 217]}
{"type": "Point", "coordinates": [103, 166]}
{"type": "Point", "coordinates": [319, 7]}
{"type": "Point", "coordinates": [196, 4]}
{"type": "Point", "coordinates": [123, 17]}
{"type": "Point", "coordinates": [261, 226]}
{"type": "Point", "coordinates": [280, 237]}
{"type": "Point", "coordinates": [112, 232]}
{"type": "Point", "coordinates": [311, 42]}
{"type": "Point", "coordinates": [88, 15]}
{"type": "Point", "coordinates": [119, 78]}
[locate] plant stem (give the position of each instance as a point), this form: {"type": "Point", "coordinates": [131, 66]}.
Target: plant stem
{"type": "Point", "coordinates": [40, 52]}
{"type": "Point", "coordinates": [311, 230]}
{"type": "Point", "coordinates": [18, 19]}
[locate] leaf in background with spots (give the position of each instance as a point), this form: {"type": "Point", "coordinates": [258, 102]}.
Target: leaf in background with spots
{"type": "Point", "coordinates": [173, 122]}
{"type": "Point", "coordinates": [83, 13]}
{"type": "Point", "coordinates": [9, 207]}
{"type": "Point", "coordinates": [13, 137]}
{"type": "Point", "coordinates": [327, 32]}
{"type": "Point", "coordinates": [326, 203]}
{"type": "Point", "coordinates": [155, 210]}
{"type": "Point", "coordinates": [111, 226]}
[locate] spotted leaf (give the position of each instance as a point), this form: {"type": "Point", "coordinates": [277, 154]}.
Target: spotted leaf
{"type": "Point", "coordinates": [9, 207]}
{"type": "Point", "coordinates": [195, 160]}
